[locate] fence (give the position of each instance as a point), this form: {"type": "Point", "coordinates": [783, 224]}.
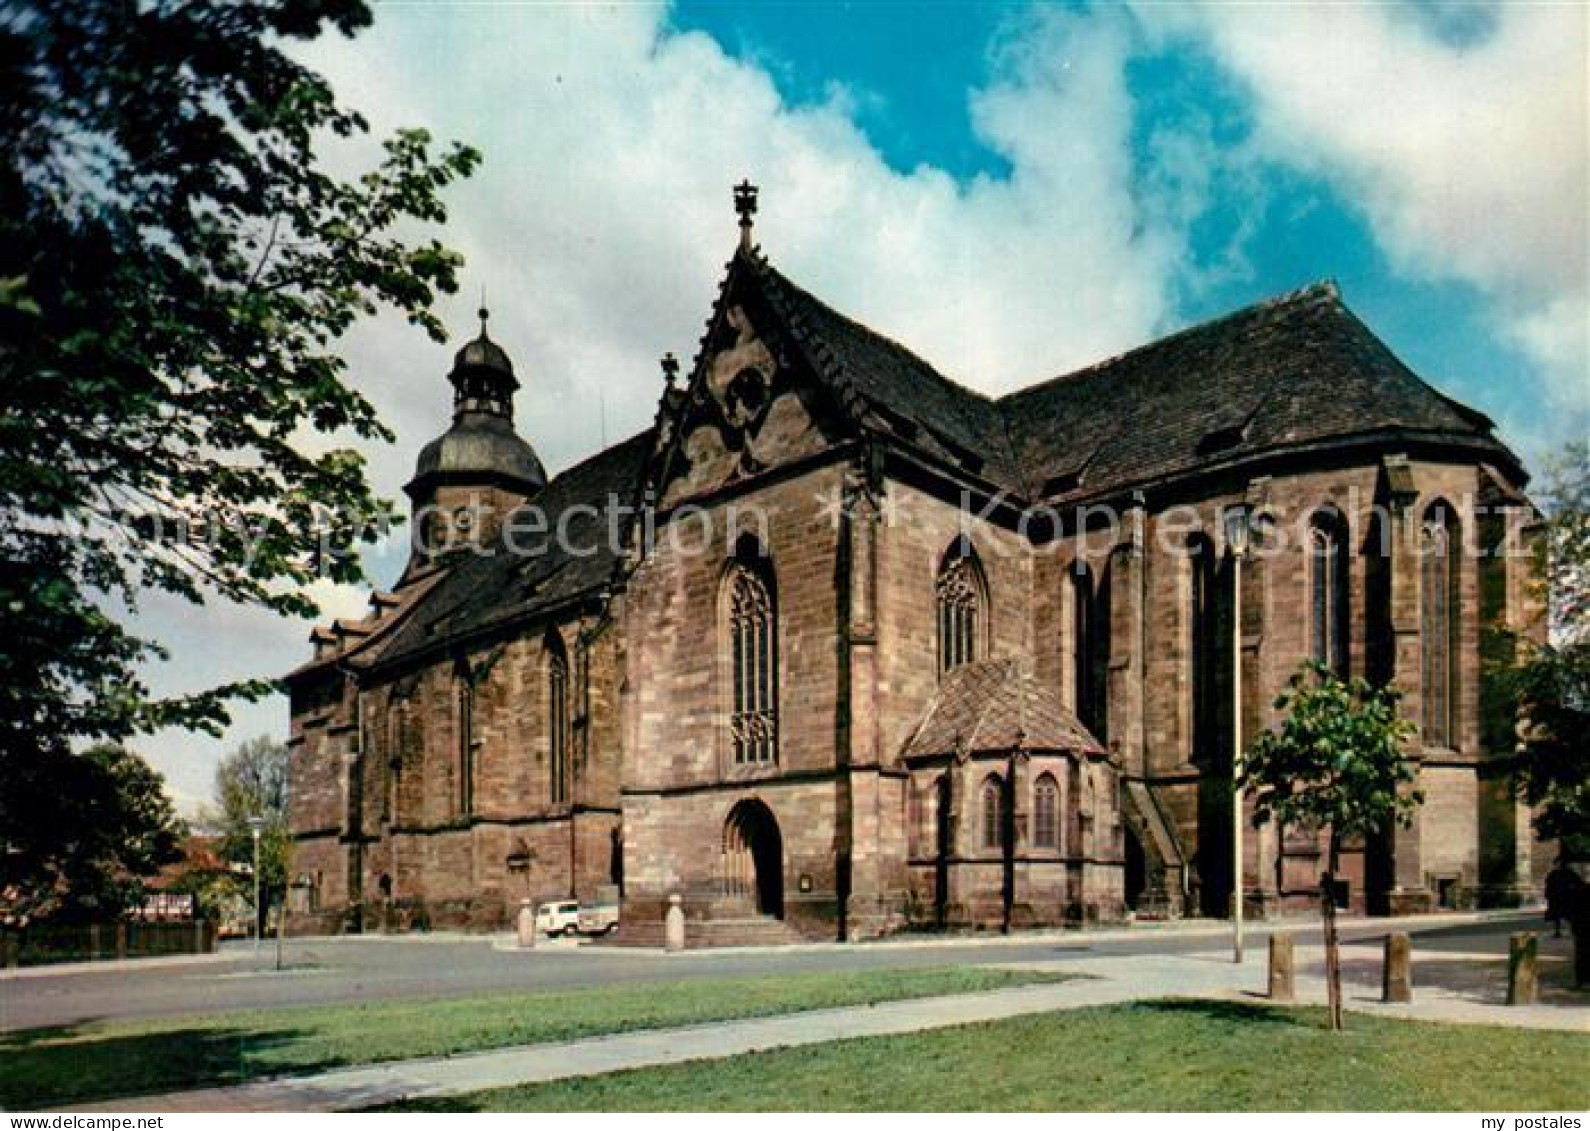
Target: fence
{"type": "Point", "coordinates": [93, 942]}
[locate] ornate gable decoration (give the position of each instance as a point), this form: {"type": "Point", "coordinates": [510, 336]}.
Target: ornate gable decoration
{"type": "Point", "coordinates": [745, 415]}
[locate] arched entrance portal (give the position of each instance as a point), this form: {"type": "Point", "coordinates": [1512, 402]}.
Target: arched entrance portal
{"type": "Point", "coordinates": [753, 857]}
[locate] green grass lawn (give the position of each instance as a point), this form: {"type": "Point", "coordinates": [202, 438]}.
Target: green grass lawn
{"type": "Point", "coordinates": [46, 1067]}
{"type": "Point", "coordinates": [1156, 1056]}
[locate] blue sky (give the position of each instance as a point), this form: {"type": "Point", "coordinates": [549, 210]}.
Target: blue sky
{"type": "Point", "coordinates": [1014, 190]}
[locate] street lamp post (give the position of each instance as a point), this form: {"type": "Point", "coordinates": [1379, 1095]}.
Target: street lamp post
{"type": "Point", "coordinates": [255, 825]}
{"type": "Point", "coordinates": [1238, 529]}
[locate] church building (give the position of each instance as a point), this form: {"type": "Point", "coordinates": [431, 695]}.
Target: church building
{"type": "Point", "coordinates": [839, 647]}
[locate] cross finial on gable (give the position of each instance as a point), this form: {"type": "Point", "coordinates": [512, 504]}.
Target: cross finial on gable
{"type": "Point", "coordinates": [745, 204]}
{"type": "Point", "coordinates": [670, 368]}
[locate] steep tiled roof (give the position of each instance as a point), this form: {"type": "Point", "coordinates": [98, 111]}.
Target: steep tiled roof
{"type": "Point", "coordinates": [355, 642]}
{"type": "Point", "coordinates": [994, 705]}
{"type": "Point", "coordinates": [1292, 371]}
{"type": "Point", "coordinates": [907, 393]}
{"type": "Point", "coordinates": [482, 591]}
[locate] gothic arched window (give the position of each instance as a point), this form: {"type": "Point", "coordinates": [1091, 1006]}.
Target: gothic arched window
{"type": "Point", "coordinates": [993, 815]}
{"type": "Point", "coordinates": [753, 647]}
{"type": "Point", "coordinates": [1090, 649]}
{"type": "Point", "coordinates": [557, 718]}
{"type": "Point", "coordinates": [1440, 548]}
{"type": "Point", "coordinates": [959, 592]}
{"type": "Point", "coordinates": [1046, 813]}
{"type": "Point", "coordinates": [1327, 587]}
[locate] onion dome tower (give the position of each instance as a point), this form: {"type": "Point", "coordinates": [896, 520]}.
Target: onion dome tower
{"type": "Point", "coordinates": [468, 478]}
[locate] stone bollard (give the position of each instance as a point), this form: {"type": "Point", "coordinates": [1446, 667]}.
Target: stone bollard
{"type": "Point", "coordinates": [1523, 972]}
{"type": "Point", "coordinates": [526, 924]}
{"type": "Point", "coordinates": [1282, 982]}
{"type": "Point", "coordinates": [1396, 984]}
{"type": "Point", "coordinates": [674, 925]}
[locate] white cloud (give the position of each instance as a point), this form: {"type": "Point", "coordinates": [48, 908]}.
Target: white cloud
{"type": "Point", "coordinates": [1470, 158]}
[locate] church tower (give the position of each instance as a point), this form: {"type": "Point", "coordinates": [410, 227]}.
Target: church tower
{"type": "Point", "coordinates": [468, 479]}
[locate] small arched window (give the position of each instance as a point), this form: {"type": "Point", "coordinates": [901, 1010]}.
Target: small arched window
{"type": "Point", "coordinates": [753, 648]}
{"type": "Point", "coordinates": [1440, 549]}
{"type": "Point", "coordinates": [557, 718]}
{"type": "Point", "coordinates": [1046, 813]}
{"type": "Point", "coordinates": [1328, 614]}
{"type": "Point", "coordinates": [993, 814]}
{"type": "Point", "coordinates": [960, 593]}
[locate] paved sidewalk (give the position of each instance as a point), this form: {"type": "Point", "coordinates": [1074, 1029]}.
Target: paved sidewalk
{"type": "Point", "coordinates": [153, 962]}
{"type": "Point", "coordinates": [1071, 938]}
{"type": "Point", "coordinates": [1106, 981]}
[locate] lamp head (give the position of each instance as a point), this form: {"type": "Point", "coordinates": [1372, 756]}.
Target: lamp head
{"type": "Point", "coordinates": [1239, 528]}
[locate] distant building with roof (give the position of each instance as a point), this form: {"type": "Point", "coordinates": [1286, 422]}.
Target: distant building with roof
{"type": "Point", "coordinates": [839, 647]}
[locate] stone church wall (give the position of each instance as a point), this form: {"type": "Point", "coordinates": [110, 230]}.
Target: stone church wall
{"type": "Point", "coordinates": [917, 529]}
{"type": "Point", "coordinates": [385, 840]}
{"type": "Point", "coordinates": [677, 797]}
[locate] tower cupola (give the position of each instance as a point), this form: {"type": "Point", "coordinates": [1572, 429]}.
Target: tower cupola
{"type": "Point", "coordinates": [480, 467]}
{"type": "Point", "coordinates": [482, 376]}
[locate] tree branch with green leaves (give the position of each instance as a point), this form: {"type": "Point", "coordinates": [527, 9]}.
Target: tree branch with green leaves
{"type": "Point", "coordinates": [177, 271]}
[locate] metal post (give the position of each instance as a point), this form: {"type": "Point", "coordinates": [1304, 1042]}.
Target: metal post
{"type": "Point", "coordinates": [1236, 758]}
{"type": "Point", "coordinates": [1237, 526]}
{"type": "Point", "coordinates": [255, 824]}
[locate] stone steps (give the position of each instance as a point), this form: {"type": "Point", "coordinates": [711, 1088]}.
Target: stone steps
{"type": "Point", "coordinates": [757, 930]}
{"type": "Point", "coordinates": [739, 930]}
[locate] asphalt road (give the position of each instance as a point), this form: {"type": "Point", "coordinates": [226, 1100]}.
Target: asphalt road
{"type": "Point", "coordinates": [343, 970]}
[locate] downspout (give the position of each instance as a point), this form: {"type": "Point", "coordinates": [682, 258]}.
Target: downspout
{"type": "Point", "coordinates": [354, 809]}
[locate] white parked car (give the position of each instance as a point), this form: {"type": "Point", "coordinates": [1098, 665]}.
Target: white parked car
{"type": "Point", "coordinates": [553, 919]}
{"type": "Point", "coordinates": [598, 918]}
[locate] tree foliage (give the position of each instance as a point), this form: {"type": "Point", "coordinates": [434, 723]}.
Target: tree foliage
{"type": "Point", "coordinates": [1553, 770]}
{"type": "Point", "coordinates": [1565, 501]}
{"type": "Point", "coordinates": [251, 781]}
{"type": "Point", "coordinates": [79, 833]}
{"type": "Point", "coordinates": [176, 270]}
{"type": "Point", "coordinates": [1337, 760]}
{"type": "Point", "coordinates": [1547, 683]}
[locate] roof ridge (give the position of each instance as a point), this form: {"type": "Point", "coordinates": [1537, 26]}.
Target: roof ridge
{"type": "Point", "coordinates": [1326, 289]}
{"type": "Point", "coordinates": [594, 457]}
{"type": "Point", "coordinates": [985, 705]}
{"type": "Point", "coordinates": [1472, 416]}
